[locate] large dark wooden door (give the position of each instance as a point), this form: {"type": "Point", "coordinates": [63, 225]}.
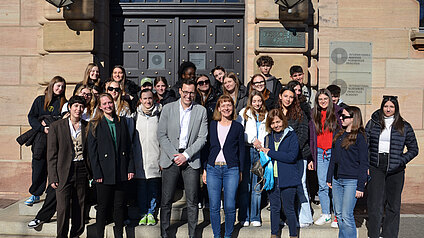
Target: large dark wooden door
{"type": "Point", "coordinates": [156, 46]}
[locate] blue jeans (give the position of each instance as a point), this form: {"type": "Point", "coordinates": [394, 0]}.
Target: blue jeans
{"type": "Point", "coordinates": [323, 160]}
{"type": "Point", "coordinates": [247, 193]}
{"type": "Point", "coordinates": [305, 213]}
{"type": "Point", "coordinates": [216, 178]}
{"type": "Point", "coordinates": [148, 193]}
{"type": "Point", "coordinates": [344, 199]}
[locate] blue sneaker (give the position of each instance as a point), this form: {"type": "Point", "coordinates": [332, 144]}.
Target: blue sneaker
{"type": "Point", "coordinates": [31, 200]}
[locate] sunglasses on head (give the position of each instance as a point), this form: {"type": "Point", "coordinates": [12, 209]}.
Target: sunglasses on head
{"type": "Point", "coordinates": [390, 97]}
{"type": "Point", "coordinates": [343, 116]}
{"type": "Point", "coordinates": [201, 83]}
{"type": "Point", "coordinates": [114, 89]}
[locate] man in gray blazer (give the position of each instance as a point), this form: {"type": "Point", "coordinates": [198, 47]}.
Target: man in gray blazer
{"type": "Point", "coordinates": [182, 133]}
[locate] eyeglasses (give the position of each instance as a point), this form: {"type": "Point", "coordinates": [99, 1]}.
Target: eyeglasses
{"type": "Point", "coordinates": [344, 117]}
{"type": "Point", "coordinates": [185, 93]}
{"type": "Point", "coordinates": [118, 90]}
{"type": "Point", "coordinates": [86, 94]}
{"type": "Point", "coordinates": [201, 83]}
{"type": "Point", "coordinates": [259, 83]}
{"type": "Point", "coordinates": [390, 97]}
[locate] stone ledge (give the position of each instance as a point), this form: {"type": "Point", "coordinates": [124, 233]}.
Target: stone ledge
{"type": "Point", "coordinates": [417, 40]}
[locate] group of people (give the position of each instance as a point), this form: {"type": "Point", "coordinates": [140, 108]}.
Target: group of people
{"type": "Point", "coordinates": [211, 135]}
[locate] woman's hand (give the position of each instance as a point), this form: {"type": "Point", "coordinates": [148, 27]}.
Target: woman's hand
{"type": "Point", "coordinates": [359, 194]}
{"type": "Point", "coordinates": [311, 165]}
{"type": "Point", "coordinates": [265, 150]}
{"type": "Point", "coordinates": [46, 130]}
{"type": "Point", "coordinates": [130, 176]}
{"type": "Point", "coordinates": [204, 176]}
{"type": "Point", "coordinates": [329, 185]}
{"type": "Point", "coordinates": [55, 185]}
{"type": "Point", "coordinates": [257, 144]}
{"type": "Point", "coordinates": [100, 180]}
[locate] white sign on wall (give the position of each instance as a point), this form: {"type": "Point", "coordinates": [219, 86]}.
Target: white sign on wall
{"type": "Point", "coordinates": [351, 70]}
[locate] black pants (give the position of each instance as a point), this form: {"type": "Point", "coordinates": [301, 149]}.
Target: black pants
{"type": "Point", "coordinates": [39, 176]}
{"type": "Point", "coordinates": [191, 185]}
{"type": "Point", "coordinates": [384, 193]}
{"type": "Point", "coordinates": [106, 194]}
{"type": "Point", "coordinates": [71, 199]}
{"type": "Point", "coordinates": [49, 206]}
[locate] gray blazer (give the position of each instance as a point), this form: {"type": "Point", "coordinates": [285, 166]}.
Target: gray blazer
{"type": "Point", "coordinates": [169, 133]}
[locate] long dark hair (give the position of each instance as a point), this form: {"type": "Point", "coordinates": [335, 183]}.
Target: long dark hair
{"type": "Point", "coordinates": [330, 119]}
{"type": "Point", "coordinates": [398, 123]}
{"type": "Point", "coordinates": [294, 112]}
{"type": "Point", "coordinates": [357, 127]}
{"type": "Point", "coordinates": [49, 94]}
{"type": "Point", "coordinates": [203, 99]}
{"type": "Point", "coordinates": [292, 84]}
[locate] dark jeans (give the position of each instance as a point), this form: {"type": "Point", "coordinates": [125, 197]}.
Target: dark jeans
{"type": "Point", "coordinates": [39, 177]}
{"type": "Point", "coordinates": [148, 195]}
{"type": "Point", "coordinates": [384, 192]}
{"type": "Point", "coordinates": [191, 185]}
{"type": "Point", "coordinates": [106, 194]}
{"type": "Point", "coordinates": [71, 199]}
{"type": "Point", "coordinates": [49, 206]}
{"type": "Point", "coordinates": [286, 196]}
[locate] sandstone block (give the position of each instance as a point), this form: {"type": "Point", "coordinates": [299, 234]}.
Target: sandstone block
{"type": "Point", "coordinates": [8, 145]}
{"type": "Point", "coordinates": [69, 66]}
{"type": "Point", "coordinates": [324, 71]}
{"type": "Point", "coordinates": [15, 104]}
{"type": "Point", "coordinates": [420, 138]}
{"type": "Point", "coordinates": [413, 190]}
{"type": "Point", "coordinates": [31, 70]}
{"type": "Point", "coordinates": [378, 14]}
{"type": "Point", "coordinates": [250, 11]}
{"type": "Point", "coordinates": [266, 10]}
{"type": "Point", "coordinates": [328, 13]}
{"type": "Point", "coordinates": [18, 40]}
{"type": "Point", "coordinates": [282, 64]}
{"type": "Point", "coordinates": [32, 12]}
{"type": "Point", "coordinates": [15, 176]}
{"type": "Point", "coordinates": [9, 68]}
{"type": "Point", "coordinates": [378, 72]}
{"type": "Point", "coordinates": [387, 43]}
{"type": "Point", "coordinates": [313, 71]}
{"type": "Point", "coordinates": [405, 73]}
{"type": "Point", "coordinates": [58, 36]}
{"type": "Point", "coordinates": [9, 13]}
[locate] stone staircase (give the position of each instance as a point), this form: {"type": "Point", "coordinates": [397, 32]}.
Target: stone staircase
{"type": "Point", "coordinates": [14, 220]}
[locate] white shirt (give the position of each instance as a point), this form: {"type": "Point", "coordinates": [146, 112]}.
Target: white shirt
{"type": "Point", "coordinates": [184, 124]}
{"type": "Point", "coordinates": [384, 141]}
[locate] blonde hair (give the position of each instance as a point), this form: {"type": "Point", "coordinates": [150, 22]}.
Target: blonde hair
{"type": "Point", "coordinates": [120, 102]}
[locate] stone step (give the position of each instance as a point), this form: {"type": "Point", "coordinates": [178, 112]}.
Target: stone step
{"type": "Point", "coordinates": [13, 224]}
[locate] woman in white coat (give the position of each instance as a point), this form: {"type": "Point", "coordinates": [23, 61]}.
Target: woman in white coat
{"type": "Point", "coordinates": [146, 157]}
{"type": "Point", "coordinates": [253, 118]}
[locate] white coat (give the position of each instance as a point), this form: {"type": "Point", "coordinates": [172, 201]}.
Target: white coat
{"type": "Point", "coordinates": [250, 133]}
{"type": "Point", "coordinates": [146, 145]}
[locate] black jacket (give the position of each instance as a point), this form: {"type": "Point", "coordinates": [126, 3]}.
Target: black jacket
{"type": "Point", "coordinates": [168, 96]}
{"type": "Point", "coordinates": [302, 131]}
{"type": "Point", "coordinates": [243, 95]}
{"type": "Point", "coordinates": [37, 110]}
{"type": "Point", "coordinates": [397, 158]}
{"type": "Point", "coordinates": [106, 162]}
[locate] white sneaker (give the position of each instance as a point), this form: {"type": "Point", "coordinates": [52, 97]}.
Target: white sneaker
{"type": "Point", "coordinates": [334, 223]}
{"type": "Point", "coordinates": [246, 224]}
{"type": "Point", "coordinates": [303, 225]}
{"type": "Point", "coordinates": [323, 219]}
{"type": "Point", "coordinates": [256, 223]}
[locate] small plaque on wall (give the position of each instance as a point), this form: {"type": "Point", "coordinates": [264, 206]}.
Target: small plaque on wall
{"type": "Point", "coordinates": [279, 37]}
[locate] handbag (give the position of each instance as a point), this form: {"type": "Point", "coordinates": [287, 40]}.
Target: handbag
{"type": "Point", "coordinates": [258, 170]}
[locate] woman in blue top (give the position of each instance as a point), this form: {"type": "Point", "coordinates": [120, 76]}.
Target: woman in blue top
{"type": "Point", "coordinates": [347, 172]}
{"type": "Point", "coordinates": [283, 150]}
{"type": "Point", "coordinates": [224, 165]}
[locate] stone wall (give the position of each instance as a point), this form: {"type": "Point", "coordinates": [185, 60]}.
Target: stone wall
{"type": "Point", "coordinates": [38, 43]}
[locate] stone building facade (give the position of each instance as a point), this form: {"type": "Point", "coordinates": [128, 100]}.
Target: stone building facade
{"type": "Point", "coordinates": [37, 43]}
